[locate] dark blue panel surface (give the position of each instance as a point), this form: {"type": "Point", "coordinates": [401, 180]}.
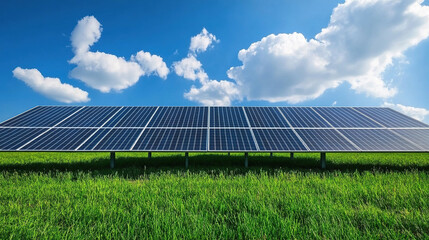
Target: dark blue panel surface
{"type": "Point", "coordinates": [13, 138]}
{"type": "Point", "coordinates": [324, 140]}
{"type": "Point", "coordinates": [417, 136]}
{"type": "Point", "coordinates": [231, 140]}
{"type": "Point", "coordinates": [265, 117]}
{"type": "Point", "coordinates": [160, 139]}
{"type": "Point", "coordinates": [278, 140]}
{"type": "Point", "coordinates": [345, 117]}
{"type": "Point", "coordinates": [303, 117]}
{"type": "Point", "coordinates": [90, 117]}
{"type": "Point", "coordinates": [40, 117]}
{"type": "Point", "coordinates": [131, 117]}
{"type": "Point", "coordinates": [119, 139]}
{"type": "Point", "coordinates": [61, 139]}
{"type": "Point", "coordinates": [378, 140]}
{"type": "Point", "coordinates": [94, 139]}
{"type": "Point", "coordinates": [227, 117]}
{"type": "Point", "coordinates": [389, 118]}
{"type": "Point", "coordinates": [180, 117]}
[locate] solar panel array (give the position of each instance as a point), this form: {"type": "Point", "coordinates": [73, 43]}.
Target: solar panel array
{"type": "Point", "coordinates": [217, 129]}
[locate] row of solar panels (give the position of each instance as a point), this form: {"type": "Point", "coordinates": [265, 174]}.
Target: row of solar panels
{"type": "Point", "coordinates": [161, 139]}
{"type": "Point", "coordinates": [213, 129]}
{"type": "Point", "coordinates": [268, 117]}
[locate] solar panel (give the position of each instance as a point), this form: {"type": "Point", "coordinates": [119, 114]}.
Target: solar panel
{"type": "Point", "coordinates": [227, 117]}
{"type": "Point", "coordinates": [13, 138]}
{"type": "Point", "coordinates": [92, 141]}
{"type": "Point", "coordinates": [90, 117]}
{"type": "Point", "coordinates": [265, 117]}
{"type": "Point", "coordinates": [119, 139]}
{"type": "Point", "coordinates": [417, 136]}
{"type": "Point", "coordinates": [287, 129]}
{"type": "Point", "coordinates": [303, 117]}
{"type": "Point", "coordinates": [160, 139]}
{"type": "Point", "coordinates": [60, 139]}
{"type": "Point", "coordinates": [378, 140]}
{"type": "Point", "coordinates": [40, 117]}
{"type": "Point", "coordinates": [231, 140]}
{"type": "Point", "coordinates": [345, 117]}
{"type": "Point", "coordinates": [131, 117]}
{"type": "Point", "coordinates": [180, 117]}
{"type": "Point", "coordinates": [325, 140]}
{"type": "Point", "coordinates": [389, 118]}
{"type": "Point", "coordinates": [278, 140]}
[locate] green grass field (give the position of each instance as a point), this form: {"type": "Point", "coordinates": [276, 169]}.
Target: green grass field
{"type": "Point", "coordinates": [76, 195]}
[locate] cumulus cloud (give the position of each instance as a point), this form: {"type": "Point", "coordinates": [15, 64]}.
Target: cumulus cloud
{"type": "Point", "coordinates": [417, 113]}
{"type": "Point", "coordinates": [359, 43]}
{"type": "Point", "coordinates": [104, 71]}
{"type": "Point", "coordinates": [202, 41]}
{"type": "Point", "coordinates": [85, 34]}
{"type": "Point", "coordinates": [214, 93]}
{"type": "Point", "coordinates": [50, 87]}
{"type": "Point", "coordinates": [210, 92]}
{"type": "Point", "coordinates": [151, 64]}
{"type": "Point", "coordinates": [190, 68]}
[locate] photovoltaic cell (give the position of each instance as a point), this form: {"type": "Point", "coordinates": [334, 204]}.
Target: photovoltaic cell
{"type": "Point", "coordinates": [131, 117]}
{"type": "Point", "coordinates": [161, 139]}
{"type": "Point", "coordinates": [60, 139]}
{"type": "Point", "coordinates": [345, 117]}
{"type": "Point", "coordinates": [119, 139]}
{"type": "Point", "coordinates": [90, 117]}
{"type": "Point", "coordinates": [417, 136]}
{"type": "Point", "coordinates": [265, 117]}
{"type": "Point", "coordinates": [324, 140]}
{"type": "Point", "coordinates": [390, 118]}
{"type": "Point", "coordinates": [94, 139]}
{"type": "Point", "coordinates": [378, 140]}
{"type": "Point", "coordinates": [180, 117]}
{"type": "Point", "coordinates": [40, 117]}
{"type": "Point", "coordinates": [303, 117]}
{"type": "Point", "coordinates": [227, 117]}
{"type": "Point", "coordinates": [13, 138]}
{"type": "Point", "coordinates": [278, 140]}
{"type": "Point", "coordinates": [231, 140]}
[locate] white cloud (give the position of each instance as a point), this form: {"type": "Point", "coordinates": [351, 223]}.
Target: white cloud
{"type": "Point", "coordinates": [104, 71]}
{"type": "Point", "coordinates": [202, 41]}
{"type": "Point", "coordinates": [417, 113]}
{"type": "Point", "coordinates": [210, 92]}
{"type": "Point", "coordinates": [190, 68]}
{"type": "Point", "coordinates": [151, 64]}
{"type": "Point", "coordinates": [50, 87]}
{"type": "Point", "coordinates": [85, 34]}
{"type": "Point", "coordinates": [214, 93]}
{"type": "Point", "coordinates": [361, 40]}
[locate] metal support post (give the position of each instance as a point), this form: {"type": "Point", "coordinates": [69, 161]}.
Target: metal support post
{"type": "Point", "coordinates": [187, 160]}
{"type": "Point", "coordinates": [112, 159]}
{"type": "Point", "coordinates": [246, 161]}
{"type": "Point", "coordinates": [291, 155]}
{"type": "Point", "coordinates": [323, 160]}
{"type": "Point", "coordinates": [271, 154]}
{"type": "Point", "coordinates": [149, 154]}
{"type": "Point", "coordinates": [229, 154]}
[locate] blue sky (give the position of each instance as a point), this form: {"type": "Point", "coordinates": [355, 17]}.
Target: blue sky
{"type": "Point", "coordinates": [304, 53]}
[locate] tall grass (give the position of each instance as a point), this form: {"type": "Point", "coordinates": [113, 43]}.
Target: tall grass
{"type": "Point", "coordinates": [75, 195]}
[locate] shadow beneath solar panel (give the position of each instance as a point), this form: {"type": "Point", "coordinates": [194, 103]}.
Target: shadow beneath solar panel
{"type": "Point", "coordinates": [134, 165]}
